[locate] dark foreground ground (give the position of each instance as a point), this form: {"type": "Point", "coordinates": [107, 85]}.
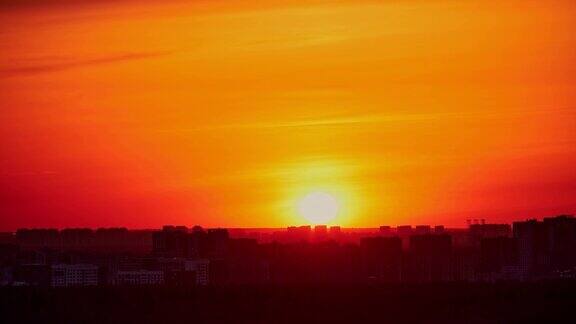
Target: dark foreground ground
{"type": "Point", "coordinates": [544, 302]}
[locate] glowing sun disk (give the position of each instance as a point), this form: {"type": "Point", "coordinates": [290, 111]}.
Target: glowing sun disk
{"type": "Point", "coordinates": [318, 207]}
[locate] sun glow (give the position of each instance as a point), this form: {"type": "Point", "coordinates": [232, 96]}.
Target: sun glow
{"type": "Point", "coordinates": [318, 207]}
{"type": "Point", "coordinates": [321, 190]}
{"type": "Point", "coordinates": [230, 113]}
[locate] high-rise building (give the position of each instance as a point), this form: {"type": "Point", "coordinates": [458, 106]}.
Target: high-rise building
{"type": "Point", "coordinates": [546, 247]}
{"type": "Point", "coordinates": [77, 238]}
{"type": "Point", "coordinates": [216, 243]}
{"type": "Point", "coordinates": [38, 238]}
{"type": "Point", "coordinates": [320, 232]}
{"type": "Point", "coordinates": [561, 238]}
{"type": "Point", "coordinates": [439, 229]}
{"type": "Point", "coordinates": [422, 229]}
{"type": "Point", "coordinates": [299, 233]}
{"type": "Point", "coordinates": [382, 258]}
{"type": "Point", "coordinates": [497, 254]}
{"type": "Point", "coordinates": [430, 257]}
{"type": "Point", "coordinates": [477, 232]}
{"type": "Point", "coordinates": [385, 230]}
{"type": "Point", "coordinates": [465, 262]}
{"type": "Point", "coordinates": [533, 259]}
{"type": "Point", "coordinates": [172, 241]}
{"type": "Point", "coordinates": [404, 232]}
{"type": "Point", "coordinates": [335, 230]}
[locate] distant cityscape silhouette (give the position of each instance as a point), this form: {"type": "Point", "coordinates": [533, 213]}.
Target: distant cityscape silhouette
{"type": "Point", "coordinates": [485, 273]}
{"type": "Point", "coordinates": [181, 256]}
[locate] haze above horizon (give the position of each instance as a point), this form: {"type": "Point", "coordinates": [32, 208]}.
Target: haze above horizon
{"type": "Point", "coordinates": [266, 114]}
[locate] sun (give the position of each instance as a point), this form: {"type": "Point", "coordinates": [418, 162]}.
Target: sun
{"type": "Point", "coordinates": [318, 207]}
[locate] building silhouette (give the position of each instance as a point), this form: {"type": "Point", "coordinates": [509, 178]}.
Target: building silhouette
{"type": "Point", "coordinates": [430, 258]}
{"type": "Point", "coordinates": [382, 258]}
{"type": "Point", "coordinates": [181, 256]}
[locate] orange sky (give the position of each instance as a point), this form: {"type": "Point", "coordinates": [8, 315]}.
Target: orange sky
{"type": "Point", "coordinates": [225, 113]}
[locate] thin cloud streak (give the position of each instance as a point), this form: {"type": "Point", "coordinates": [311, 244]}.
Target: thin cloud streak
{"type": "Point", "coordinates": [366, 119]}
{"type": "Point", "coordinates": [54, 65]}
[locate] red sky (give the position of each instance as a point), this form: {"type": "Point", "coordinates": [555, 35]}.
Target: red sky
{"type": "Point", "coordinates": [227, 113]}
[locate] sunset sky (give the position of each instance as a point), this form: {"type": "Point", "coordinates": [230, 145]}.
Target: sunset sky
{"type": "Point", "coordinates": [228, 112]}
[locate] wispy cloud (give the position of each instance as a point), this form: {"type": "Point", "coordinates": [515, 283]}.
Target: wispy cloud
{"type": "Point", "coordinates": [45, 3]}
{"type": "Point", "coordinates": [363, 120]}
{"type": "Point", "coordinates": [52, 64]}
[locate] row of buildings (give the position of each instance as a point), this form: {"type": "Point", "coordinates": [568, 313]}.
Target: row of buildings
{"type": "Point", "coordinates": [173, 272]}
{"type": "Point", "coordinates": [181, 256]}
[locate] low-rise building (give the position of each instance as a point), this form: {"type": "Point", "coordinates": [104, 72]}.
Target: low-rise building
{"type": "Point", "coordinates": [202, 269]}
{"type": "Point", "coordinates": [140, 278]}
{"type": "Point", "coordinates": [67, 275]}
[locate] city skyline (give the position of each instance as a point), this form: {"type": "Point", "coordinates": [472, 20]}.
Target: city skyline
{"type": "Point", "coordinates": [524, 251]}
{"type": "Point", "coordinates": [466, 224]}
{"type": "Point", "coordinates": [287, 161]}
{"type": "Point", "coordinates": [489, 273]}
